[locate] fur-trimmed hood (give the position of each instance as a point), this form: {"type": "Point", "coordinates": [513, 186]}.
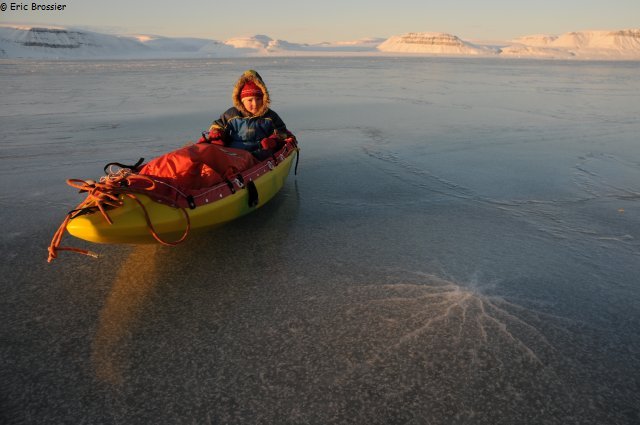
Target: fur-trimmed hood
{"type": "Point", "coordinates": [251, 75]}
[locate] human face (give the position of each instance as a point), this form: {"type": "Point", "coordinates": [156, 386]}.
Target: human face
{"type": "Point", "coordinates": [252, 103]}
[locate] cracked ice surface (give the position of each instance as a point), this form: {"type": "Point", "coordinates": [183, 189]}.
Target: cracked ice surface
{"type": "Point", "coordinates": [461, 245]}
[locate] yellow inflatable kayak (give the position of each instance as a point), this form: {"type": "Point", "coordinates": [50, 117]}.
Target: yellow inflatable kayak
{"type": "Point", "coordinates": [220, 204]}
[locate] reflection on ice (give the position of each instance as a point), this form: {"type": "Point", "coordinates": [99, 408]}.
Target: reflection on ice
{"type": "Point", "coordinates": [134, 282]}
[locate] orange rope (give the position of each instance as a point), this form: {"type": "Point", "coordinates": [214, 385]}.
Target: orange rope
{"type": "Point", "coordinates": [152, 230]}
{"type": "Point", "coordinates": [54, 247]}
{"type": "Point", "coordinates": [106, 194]}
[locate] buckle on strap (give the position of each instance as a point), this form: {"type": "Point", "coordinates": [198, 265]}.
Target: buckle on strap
{"type": "Point", "coordinates": [238, 182]}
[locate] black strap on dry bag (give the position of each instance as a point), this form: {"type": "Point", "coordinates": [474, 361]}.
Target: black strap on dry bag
{"type": "Point", "coordinates": [253, 193]}
{"type": "Point", "coordinates": [133, 167]}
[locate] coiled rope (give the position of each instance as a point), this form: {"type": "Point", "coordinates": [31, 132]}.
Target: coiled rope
{"type": "Point", "coordinates": [106, 194]}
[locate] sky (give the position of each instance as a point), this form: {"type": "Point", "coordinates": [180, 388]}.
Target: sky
{"type": "Point", "coordinates": [333, 20]}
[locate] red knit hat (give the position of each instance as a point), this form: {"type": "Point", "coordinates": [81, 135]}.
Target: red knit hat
{"type": "Point", "coordinates": [250, 89]}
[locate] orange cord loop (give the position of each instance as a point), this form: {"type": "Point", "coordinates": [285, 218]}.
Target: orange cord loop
{"type": "Point", "coordinates": [106, 194]}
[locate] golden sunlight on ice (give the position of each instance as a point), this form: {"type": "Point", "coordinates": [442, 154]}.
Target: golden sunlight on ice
{"type": "Point", "coordinates": [134, 282]}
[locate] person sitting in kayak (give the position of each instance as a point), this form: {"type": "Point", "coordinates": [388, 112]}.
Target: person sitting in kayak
{"type": "Point", "coordinates": [250, 124]}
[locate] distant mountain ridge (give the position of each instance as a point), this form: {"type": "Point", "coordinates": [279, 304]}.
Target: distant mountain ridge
{"type": "Point", "coordinates": [434, 43]}
{"type": "Point", "coordinates": [38, 42]}
{"type": "Point", "coordinates": [68, 43]}
{"type": "Point", "coordinates": [629, 39]}
{"type": "Point", "coordinates": [584, 44]}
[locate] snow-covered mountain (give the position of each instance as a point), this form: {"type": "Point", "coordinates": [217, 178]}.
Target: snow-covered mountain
{"type": "Point", "coordinates": [169, 44]}
{"type": "Point", "coordinates": [68, 43]}
{"type": "Point", "coordinates": [35, 42]}
{"type": "Point", "coordinates": [527, 51]}
{"type": "Point", "coordinates": [262, 45]}
{"type": "Point", "coordinates": [624, 44]}
{"type": "Point", "coordinates": [256, 43]}
{"type": "Point", "coordinates": [433, 43]}
{"type": "Point", "coordinates": [362, 45]}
